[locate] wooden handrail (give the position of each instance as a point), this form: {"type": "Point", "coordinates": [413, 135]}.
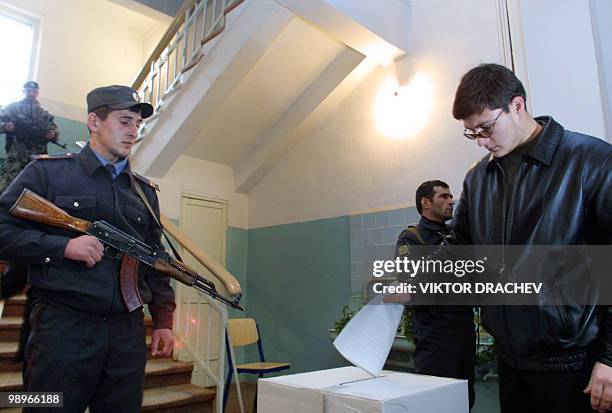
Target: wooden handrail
{"type": "Point", "coordinates": [176, 24]}
{"type": "Point", "coordinates": [229, 282]}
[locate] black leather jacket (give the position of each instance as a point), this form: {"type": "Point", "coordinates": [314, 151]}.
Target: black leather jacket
{"type": "Point", "coordinates": [562, 196]}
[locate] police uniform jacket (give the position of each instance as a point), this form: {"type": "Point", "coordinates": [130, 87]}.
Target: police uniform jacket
{"type": "Point", "coordinates": [426, 232]}
{"type": "Point", "coordinates": [81, 186]}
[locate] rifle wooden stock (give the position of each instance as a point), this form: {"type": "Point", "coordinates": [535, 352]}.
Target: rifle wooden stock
{"type": "Point", "coordinates": [33, 207]}
{"type": "Point", "coordinates": [174, 272]}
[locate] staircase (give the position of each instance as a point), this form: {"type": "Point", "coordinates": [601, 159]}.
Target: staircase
{"type": "Point", "coordinates": [168, 387]}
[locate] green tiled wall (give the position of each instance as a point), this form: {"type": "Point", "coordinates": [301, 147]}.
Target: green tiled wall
{"type": "Point", "coordinates": [298, 281]}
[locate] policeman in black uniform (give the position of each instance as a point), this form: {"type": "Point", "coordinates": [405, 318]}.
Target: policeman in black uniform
{"type": "Point", "coordinates": [444, 335]}
{"type": "Point", "coordinates": [83, 341]}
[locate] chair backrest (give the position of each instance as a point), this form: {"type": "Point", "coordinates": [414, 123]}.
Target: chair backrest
{"type": "Point", "coordinates": [242, 331]}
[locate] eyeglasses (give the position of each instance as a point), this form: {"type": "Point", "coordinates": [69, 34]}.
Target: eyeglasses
{"type": "Point", "coordinates": [483, 132]}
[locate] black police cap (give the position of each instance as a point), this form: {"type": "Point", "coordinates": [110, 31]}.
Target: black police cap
{"type": "Point", "coordinates": [117, 97]}
{"type": "Point", "coordinates": [30, 85]}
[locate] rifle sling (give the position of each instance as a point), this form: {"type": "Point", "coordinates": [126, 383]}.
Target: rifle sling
{"type": "Point", "coordinates": [150, 209]}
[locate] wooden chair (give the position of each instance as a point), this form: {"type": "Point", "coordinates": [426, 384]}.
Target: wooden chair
{"type": "Point", "coordinates": [243, 332]}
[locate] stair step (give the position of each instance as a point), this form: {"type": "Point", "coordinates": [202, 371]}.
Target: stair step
{"type": "Point", "coordinates": [8, 351]}
{"type": "Point", "coordinates": [13, 307]}
{"type": "Point", "coordinates": [178, 399]}
{"type": "Point", "coordinates": [167, 372]}
{"type": "Point", "coordinates": [11, 381]}
{"type": "Point", "coordinates": [158, 372]}
{"type": "Point", "coordinates": [9, 328]}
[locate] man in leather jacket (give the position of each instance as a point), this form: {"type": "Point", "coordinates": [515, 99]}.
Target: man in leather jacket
{"type": "Point", "coordinates": [540, 185]}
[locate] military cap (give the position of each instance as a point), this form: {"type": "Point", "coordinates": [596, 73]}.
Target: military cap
{"type": "Point", "coordinates": [117, 97]}
{"type": "Point", "coordinates": [30, 85]}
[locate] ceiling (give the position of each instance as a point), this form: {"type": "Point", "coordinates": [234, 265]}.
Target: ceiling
{"type": "Point", "coordinates": [292, 62]}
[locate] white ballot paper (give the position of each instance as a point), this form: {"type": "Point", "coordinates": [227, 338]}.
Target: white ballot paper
{"type": "Point", "coordinates": [367, 338]}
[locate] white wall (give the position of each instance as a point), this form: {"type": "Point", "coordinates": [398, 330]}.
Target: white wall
{"type": "Point", "coordinates": [85, 44]}
{"type": "Point", "coordinates": [601, 12]}
{"type": "Point", "coordinates": [348, 167]}
{"type": "Point", "coordinates": [562, 64]}
{"type": "Point", "coordinates": [206, 179]}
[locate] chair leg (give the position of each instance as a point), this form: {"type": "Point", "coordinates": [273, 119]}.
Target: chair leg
{"type": "Point", "coordinates": [226, 390]}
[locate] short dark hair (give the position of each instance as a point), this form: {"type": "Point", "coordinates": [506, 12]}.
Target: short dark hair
{"type": "Point", "coordinates": [426, 190]}
{"type": "Point", "coordinates": [488, 86]}
{"type": "Point", "coordinates": [102, 112]}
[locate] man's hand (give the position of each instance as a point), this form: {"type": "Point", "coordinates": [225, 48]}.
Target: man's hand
{"type": "Point", "coordinates": [50, 134]}
{"type": "Point", "coordinates": [164, 337]}
{"type": "Point", "coordinates": [600, 387]}
{"type": "Point", "coordinates": [9, 127]}
{"type": "Point", "coordinates": [85, 248]}
{"type": "Point", "coordinates": [403, 298]}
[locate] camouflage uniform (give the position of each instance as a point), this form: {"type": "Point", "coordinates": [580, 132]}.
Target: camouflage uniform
{"type": "Point", "coordinates": [32, 122]}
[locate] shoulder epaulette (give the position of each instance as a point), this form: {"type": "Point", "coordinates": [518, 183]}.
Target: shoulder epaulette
{"type": "Point", "coordinates": [415, 231]}
{"type": "Point", "coordinates": [68, 155]}
{"type": "Point", "coordinates": [146, 181]}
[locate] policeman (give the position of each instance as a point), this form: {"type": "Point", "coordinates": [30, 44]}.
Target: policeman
{"type": "Point", "coordinates": [444, 335]}
{"type": "Point", "coordinates": [83, 341]}
{"type": "Point", "coordinates": [28, 129]}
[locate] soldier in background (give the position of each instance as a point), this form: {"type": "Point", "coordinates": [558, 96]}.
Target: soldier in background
{"type": "Point", "coordinates": [444, 335]}
{"type": "Point", "coordinates": [28, 129]}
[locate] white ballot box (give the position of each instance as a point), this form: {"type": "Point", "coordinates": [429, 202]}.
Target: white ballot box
{"type": "Point", "coordinates": [302, 393]}
{"type": "Point", "coordinates": [351, 390]}
{"type": "Point", "coordinates": [399, 393]}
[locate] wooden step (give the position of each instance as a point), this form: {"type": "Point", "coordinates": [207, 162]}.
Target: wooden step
{"type": "Point", "coordinates": [157, 373]}
{"type": "Point", "coordinates": [13, 307]}
{"type": "Point", "coordinates": [167, 372]}
{"type": "Point", "coordinates": [11, 326]}
{"type": "Point", "coordinates": [11, 381]}
{"type": "Point", "coordinates": [182, 398]}
{"type": "Point", "coordinates": [8, 352]}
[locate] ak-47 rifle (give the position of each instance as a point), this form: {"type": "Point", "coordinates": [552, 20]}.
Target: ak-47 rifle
{"type": "Point", "coordinates": [33, 207]}
{"type": "Point", "coordinates": [35, 133]}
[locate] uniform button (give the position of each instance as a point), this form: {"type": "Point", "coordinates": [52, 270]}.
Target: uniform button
{"type": "Point", "coordinates": [47, 260]}
{"type": "Point", "coordinates": [139, 219]}
{"type": "Point", "coordinates": [76, 204]}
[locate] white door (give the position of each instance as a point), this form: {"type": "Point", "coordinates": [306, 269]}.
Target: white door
{"type": "Point", "coordinates": [205, 222]}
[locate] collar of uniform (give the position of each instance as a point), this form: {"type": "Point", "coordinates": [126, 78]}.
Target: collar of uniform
{"type": "Point", "coordinates": [91, 163]}
{"type": "Point", "coordinates": [431, 225]}
{"type": "Point", "coordinates": [547, 142]}
{"type": "Point", "coordinates": [119, 166]}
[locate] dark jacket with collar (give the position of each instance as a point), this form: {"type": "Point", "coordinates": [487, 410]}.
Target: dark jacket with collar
{"type": "Point", "coordinates": [429, 233]}
{"type": "Point", "coordinates": [562, 196]}
{"type": "Point", "coordinates": [81, 186]}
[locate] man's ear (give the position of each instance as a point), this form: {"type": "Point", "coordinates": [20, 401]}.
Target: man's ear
{"type": "Point", "coordinates": [425, 203]}
{"type": "Point", "coordinates": [92, 121]}
{"type": "Point", "coordinates": [518, 104]}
